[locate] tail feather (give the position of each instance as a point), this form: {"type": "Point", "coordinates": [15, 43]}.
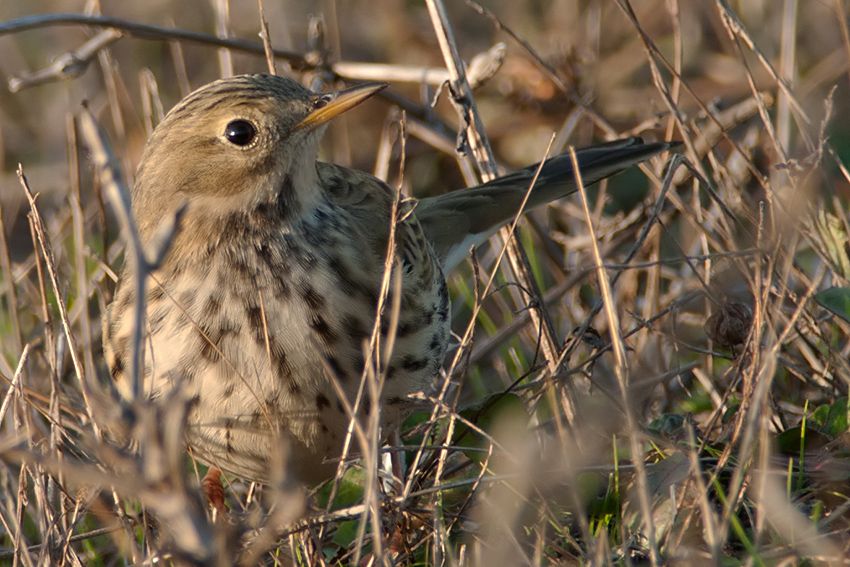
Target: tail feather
{"type": "Point", "coordinates": [458, 220]}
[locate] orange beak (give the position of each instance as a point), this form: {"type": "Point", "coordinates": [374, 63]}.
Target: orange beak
{"type": "Point", "coordinates": [340, 102]}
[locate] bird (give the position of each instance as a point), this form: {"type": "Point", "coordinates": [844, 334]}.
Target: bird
{"type": "Point", "coordinates": [264, 302]}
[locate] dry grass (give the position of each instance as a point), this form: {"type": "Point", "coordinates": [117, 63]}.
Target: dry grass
{"type": "Point", "coordinates": [661, 380]}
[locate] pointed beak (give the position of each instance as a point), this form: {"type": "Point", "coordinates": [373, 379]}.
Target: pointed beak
{"type": "Point", "coordinates": [339, 102]}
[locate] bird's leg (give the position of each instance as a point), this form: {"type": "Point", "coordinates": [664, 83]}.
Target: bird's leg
{"type": "Point", "coordinates": [213, 490]}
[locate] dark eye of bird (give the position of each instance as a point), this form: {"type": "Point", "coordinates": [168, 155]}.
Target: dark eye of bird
{"type": "Point", "coordinates": [321, 101]}
{"type": "Point", "coordinates": [240, 132]}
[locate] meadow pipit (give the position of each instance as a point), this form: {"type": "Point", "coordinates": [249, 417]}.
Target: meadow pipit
{"type": "Point", "coordinates": [270, 287]}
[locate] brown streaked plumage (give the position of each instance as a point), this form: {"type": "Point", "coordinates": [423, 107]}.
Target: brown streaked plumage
{"type": "Point", "coordinates": [270, 287]}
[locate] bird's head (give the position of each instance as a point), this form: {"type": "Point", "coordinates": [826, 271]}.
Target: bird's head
{"type": "Point", "coordinates": [237, 143]}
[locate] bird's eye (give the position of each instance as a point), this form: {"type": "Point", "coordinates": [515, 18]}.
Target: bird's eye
{"type": "Point", "coordinates": [240, 132]}
{"type": "Point", "coordinates": [321, 101]}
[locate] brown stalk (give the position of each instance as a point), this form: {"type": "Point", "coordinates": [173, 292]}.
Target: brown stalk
{"type": "Point", "coordinates": [621, 369]}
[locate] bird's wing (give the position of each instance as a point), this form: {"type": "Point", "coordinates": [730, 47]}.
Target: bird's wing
{"type": "Point", "coordinates": [455, 221]}
{"type": "Point", "coordinates": [368, 203]}
{"type": "Point", "coordinates": [364, 198]}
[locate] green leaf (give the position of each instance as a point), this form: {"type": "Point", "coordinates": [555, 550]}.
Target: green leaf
{"type": "Point", "coordinates": [349, 491]}
{"type": "Point", "coordinates": [836, 421]}
{"type": "Point", "coordinates": [793, 440]}
{"type": "Point", "coordinates": [820, 416]}
{"type": "Point", "coordinates": [832, 418]}
{"type": "Point", "coordinates": [346, 533]}
{"type": "Point", "coordinates": [837, 300]}
{"type": "Point", "coordinates": [486, 416]}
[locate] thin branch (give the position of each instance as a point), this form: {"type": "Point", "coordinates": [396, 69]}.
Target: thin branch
{"type": "Point", "coordinates": [50, 263]}
{"type": "Point", "coordinates": [116, 190]}
{"type": "Point", "coordinates": [360, 71]}
{"type": "Point", "coordinates": [621, 369]}
{"type": "Point", "coordinates": [70, 64]}
{"type": "Point", "coordinates": [266, 37]}
{"type": "Point", "coordinates": [142, 262]}
{"type": "Point", "coordinates": [464, 102]}
{"type": "Point", "coordinates": [15, 383]}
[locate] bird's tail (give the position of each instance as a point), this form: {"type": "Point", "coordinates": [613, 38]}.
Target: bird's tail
{"type": "Point", "coordinates": [467, 217]}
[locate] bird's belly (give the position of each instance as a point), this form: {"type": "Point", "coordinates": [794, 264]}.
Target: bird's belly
{"type": "Point", "coordinates": [263, 383]}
